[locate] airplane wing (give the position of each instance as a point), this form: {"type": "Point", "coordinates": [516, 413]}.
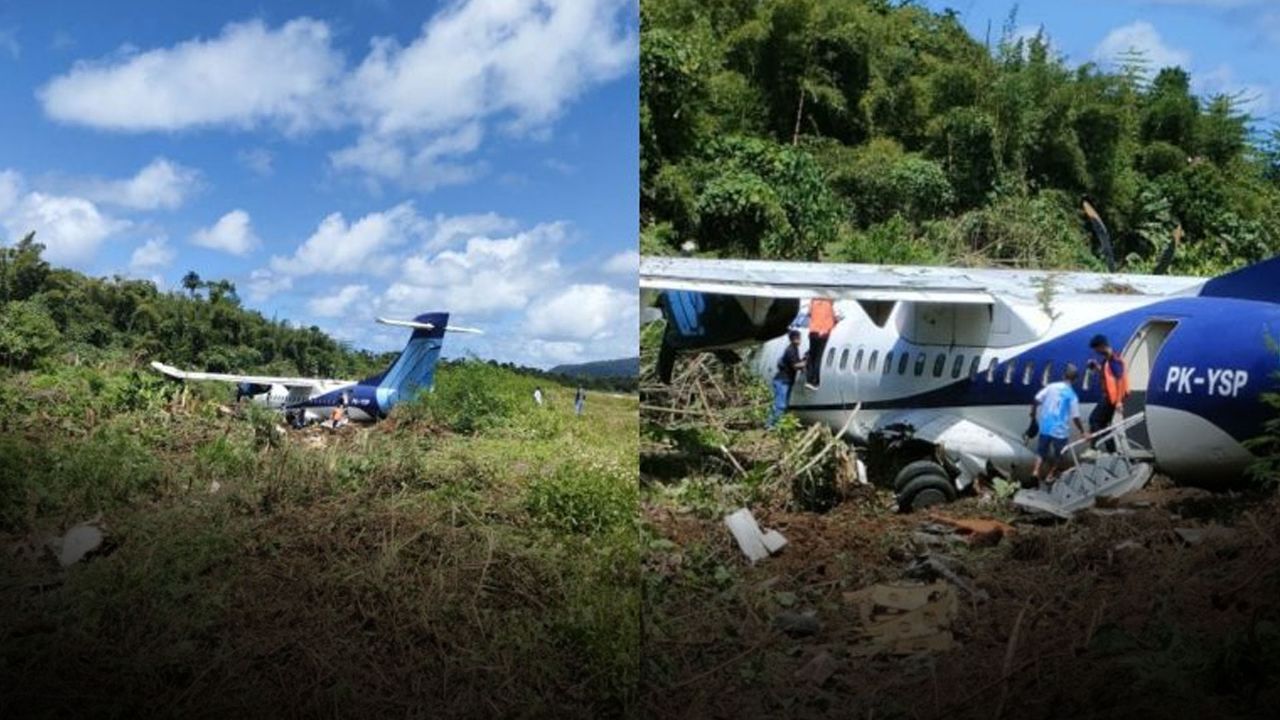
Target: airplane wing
{"type": "Point", "coordinates": [838, 281]}
{"type": "Point", "coordinates": [174, 372]}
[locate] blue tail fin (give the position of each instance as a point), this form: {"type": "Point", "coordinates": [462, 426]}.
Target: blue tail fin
{"type": "Point", "coordinates": [415, 368]}
{"type": "Point", "coordinates": [1259, 281]}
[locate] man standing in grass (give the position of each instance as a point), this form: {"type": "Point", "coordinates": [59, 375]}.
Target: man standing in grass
{"type": "Point", "coordinates": [537, 396]}
{"type": "Point", "coordinates": [785, 378]}
{"type": "Point", "coordinates": [579, 400]}
{"type": "Point", "coordinates": [1056, 408]}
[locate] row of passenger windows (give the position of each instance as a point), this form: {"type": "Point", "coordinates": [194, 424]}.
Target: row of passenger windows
{"type": "Point", "coordinates": [994, 372]}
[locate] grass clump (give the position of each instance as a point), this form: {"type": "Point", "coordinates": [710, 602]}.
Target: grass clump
{"type": "Point", "coordinates": [582, 498]}
{"type": "Point", "coordinates": [469, 397]}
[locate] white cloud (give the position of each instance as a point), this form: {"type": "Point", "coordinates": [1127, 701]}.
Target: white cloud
{"type": "Point", "coordinates": [486, 276]}
{"type": "Point", "coordinates": [544, 352]}
{"type": "Point", "coordinates": [154, 253]}
{"type": "Point", "coordinates": [71, 228]}
{"type": "Point", "coordinates": [584, 312]}
{"type": "Point", "coordinates": [626, 262]}
{"type": "Point", "coordinates": [421, 108]}
{"type": "Point", "coordinates": [260, 161]}
{"type": "Point", "coordinates": [336, 304]}
{"type": "Point", "coordinates": [161, 184]}
{"type": "Point", "coordinates": [448, 230]}
{"type": "Point", "coordinates": [1143, 37]}
{"type": "Point", "coordinates": [362, 246]}
{"type": "Point", "coordinates": [263, 284]}
{"type": "Point", "coordinates": [247, 75]}
{"type": "Point", "coordinates": [433, 164]}
{"type": "Point", "coordinates": [1253, 98]}
{"type": "Point", "coordinates": [233, 234]}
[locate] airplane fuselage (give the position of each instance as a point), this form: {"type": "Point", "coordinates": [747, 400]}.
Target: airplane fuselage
{"type": "Point", "coordinates": [364, 402]}
{"type": "Point", "coordinates": [1198, 369]}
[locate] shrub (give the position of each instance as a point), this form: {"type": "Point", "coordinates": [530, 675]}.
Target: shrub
{"type": "Point", "coordinates": [469, 397]}
{"type": "Point", "coordinates": [584, 498]}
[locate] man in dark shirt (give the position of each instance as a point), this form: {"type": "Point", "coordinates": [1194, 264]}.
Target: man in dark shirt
{"type": "Point", "coordinates": [1114, 384]}
{"type": "Point", "coordinates": [788, 365]}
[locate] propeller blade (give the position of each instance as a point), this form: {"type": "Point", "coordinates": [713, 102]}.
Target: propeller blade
{"type": "Point", "coordinates": [1100, 232]}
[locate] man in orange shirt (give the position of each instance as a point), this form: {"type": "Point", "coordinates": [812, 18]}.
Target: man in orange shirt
{"type": "Point", "coordinates": [822, 318]}
{"type": "Point", "coordinates": [1115, 385]}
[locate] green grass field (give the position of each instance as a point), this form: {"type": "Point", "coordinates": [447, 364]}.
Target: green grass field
{"type": "Point", "coordinates": [471, 556]}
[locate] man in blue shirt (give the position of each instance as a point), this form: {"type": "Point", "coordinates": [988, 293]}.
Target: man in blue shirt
{"type": "Point", "coordinates": [785, 377]}
{"type": "Point", "coordinates": [1056, 409]}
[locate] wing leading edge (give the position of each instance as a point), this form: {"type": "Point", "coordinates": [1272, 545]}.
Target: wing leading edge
{"type": "Point", "coordinates": [800, 280]}
{"type": "Point", "coordinates": [174, 372]}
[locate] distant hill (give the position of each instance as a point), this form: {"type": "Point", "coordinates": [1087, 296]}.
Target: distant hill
{"type": "Point", "coordinates": [620, 368]}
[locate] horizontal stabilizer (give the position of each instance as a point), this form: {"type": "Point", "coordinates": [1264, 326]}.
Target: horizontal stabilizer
{"type": "Point", "coordinates": [428, 326]}
{"type": "Point", "coordinates": [1259, 281]}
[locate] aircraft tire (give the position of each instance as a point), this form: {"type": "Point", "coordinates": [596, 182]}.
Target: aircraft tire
{"type": "Point", "coordinates": [926, 490]}
{"type": "Point", "coordinates": [913, 470]}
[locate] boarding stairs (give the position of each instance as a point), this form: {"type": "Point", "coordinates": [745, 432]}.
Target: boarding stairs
{"type": "Point", "coordinates": [1123, 468]}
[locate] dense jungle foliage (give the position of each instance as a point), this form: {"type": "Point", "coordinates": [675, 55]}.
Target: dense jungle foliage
{"type": "Point", "coordinates": [881, 131]}
{"type": "Point", "coordinates": [53, 312]}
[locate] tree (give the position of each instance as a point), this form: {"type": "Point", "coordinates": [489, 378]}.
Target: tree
{"type": "Point", "coordinates": [27, 333]}
{"type": "Point", "coordinates": [22, 269]}
{"type": "Point", "coordinates": [191, 281]}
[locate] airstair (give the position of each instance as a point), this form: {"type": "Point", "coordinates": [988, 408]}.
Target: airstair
{"type": "Point", "coordinates": [1123, 468]}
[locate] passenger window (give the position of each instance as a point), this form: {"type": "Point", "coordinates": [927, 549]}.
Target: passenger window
{"type": "Point", "coordinates": [1047, 375]}
{"type": "Point", "coordinates": [844, 359]}
{"type": "Point", "coordinates": [903, 359]}
{"type": "Point", "coordinates": [871, 361]}
{"type": "Point", "coordinates": [991, 370]}
{"type": "Point", "coordinates": [1009, 367]}
{"type": "Point", "coordinates": [920, 359]}
{"type": "Point", "coordinates": [1027, 371]}
{"type": "Point", "coordinates": [831, 357]}
{"type": "Point", "coordinates": [857, 361]}
{"type": "Point", "coordinates": [888, 362]}
{"type": "Point", "coordinates": [974, 366]}
{"type": "Point", "coordinates": [957, 366]}
{"type": "Point", "coordinates": [939, 364]}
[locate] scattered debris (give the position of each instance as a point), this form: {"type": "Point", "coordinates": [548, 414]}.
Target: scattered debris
{"type": "Point", "coordinates": [1196, 536]}
{"type": "Point", "coordinates": [1079, 487]}
{"type": "Point", "coordinates": [932, 566]}
{"type": "Point", "coordinates": [818, 670]}
{"type": "Point", "coordinates": [976, 531]}
{"type": "Point", "coordinates": [798, 624]}
{"type": "Point", "coordinates": [756, 545]}
{"type": "Point", "coordinates": [905, 619]}
{"type": "Point", "coordinates": [214, 487]}
{"type": "Point", "coordinates": [79, 542]}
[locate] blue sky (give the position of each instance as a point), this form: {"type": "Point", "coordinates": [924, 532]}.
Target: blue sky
{"type": "Point", "coordinates": [1230, 46]}
{"type": "Point", "coordinates": [341, 160]}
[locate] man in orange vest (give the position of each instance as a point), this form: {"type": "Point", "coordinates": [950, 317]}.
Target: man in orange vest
{"type": "Point", "coordinates": [822, 318]}
{"type": "Point", "coordinates": [1115, 383]}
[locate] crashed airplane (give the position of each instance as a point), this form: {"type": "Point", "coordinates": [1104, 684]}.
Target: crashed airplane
{"type": "Point", "coordinates": [943, 363]}
{"type": "Point", "coordinates": [364, 400]}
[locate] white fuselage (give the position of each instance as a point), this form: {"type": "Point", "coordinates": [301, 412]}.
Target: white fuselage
{"type": "Point", "coordinates": [918, 358]}
{"type": "Point", "coordinates": [279, 397]}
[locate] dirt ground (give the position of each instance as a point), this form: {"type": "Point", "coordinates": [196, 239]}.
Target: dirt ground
{"type": "Point", "coordinates": [1109, 615]}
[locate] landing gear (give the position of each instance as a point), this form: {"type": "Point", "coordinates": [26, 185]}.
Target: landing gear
{"type": "Point", "coordinates": [922, 484]}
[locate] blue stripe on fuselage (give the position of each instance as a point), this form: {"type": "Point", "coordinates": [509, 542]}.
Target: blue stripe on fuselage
{"type": "Point", "coordinates": [1212, 333]}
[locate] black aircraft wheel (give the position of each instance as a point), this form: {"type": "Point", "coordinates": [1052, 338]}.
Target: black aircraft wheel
{"type": "Point", "coordinates": [924, 491]}
{"type": "Point", "coordinates": [916, 469]}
